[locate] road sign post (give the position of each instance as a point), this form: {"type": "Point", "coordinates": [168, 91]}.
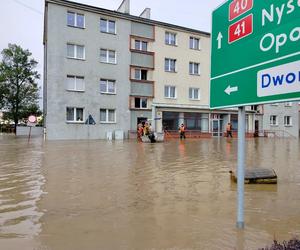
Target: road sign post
{"type": "Point", "coordinates": [255, 59]}
{"type": "Point", "coordinates": [241, 167]}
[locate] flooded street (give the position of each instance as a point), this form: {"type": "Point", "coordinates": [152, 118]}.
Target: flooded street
{"type": "Point", "coordinates": [75, 195]}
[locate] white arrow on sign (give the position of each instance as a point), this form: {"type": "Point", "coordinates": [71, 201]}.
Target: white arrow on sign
{"type": "Point", "coordinates": [219, 39]}
{"type": "Point", "coordinates": [229, 89]}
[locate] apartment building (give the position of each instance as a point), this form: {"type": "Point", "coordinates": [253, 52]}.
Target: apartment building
{"type": "Point", "coordinates": [106, 71]}
{"type": "Point", "coordinates": [281, 119]}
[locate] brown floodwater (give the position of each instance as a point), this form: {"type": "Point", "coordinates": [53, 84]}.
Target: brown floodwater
{"type": "Point", "coordinates": [90, 195]}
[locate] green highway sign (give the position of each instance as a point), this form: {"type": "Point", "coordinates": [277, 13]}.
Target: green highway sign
{"type": "Point", "coordinates": [255, 52]}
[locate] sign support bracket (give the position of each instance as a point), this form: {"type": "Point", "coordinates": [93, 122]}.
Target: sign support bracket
{"type": "Point", "coordinates": [241, 168]}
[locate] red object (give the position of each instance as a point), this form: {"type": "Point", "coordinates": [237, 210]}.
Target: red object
{"type": "Point", "coordinates": [239, 7]}
{"type": "Point", "coordinates": [240, 29]}
{"type": "Point", "coordinates": [32, 119]}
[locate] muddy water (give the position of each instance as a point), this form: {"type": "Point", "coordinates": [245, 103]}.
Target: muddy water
{"type": "Point", "coordinates": [127, 195]}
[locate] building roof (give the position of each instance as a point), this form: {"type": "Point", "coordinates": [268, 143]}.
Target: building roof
{"type": "Point", "coordinates": [117, 14]}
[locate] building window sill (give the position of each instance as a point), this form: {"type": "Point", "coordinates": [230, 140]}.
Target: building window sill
{"type": "Point", "coordinates": [77, 27]}
{"type": "Point", "coordinates": [109, 63]}
{"type": "Point", "coordinates": [107, 93]}
{"type": "Point", "coordinates": [74, 58]}
{"type": "Point", "coordinates": [74, 90]}
{"type": "Point", "coordinates": [108, 122]}
{"type": "Point", "coordinates": [109, 33]}
{"type": "Point", "coordinates": [173, 45]}
{"type": "Point", "coordinates": [75, 122]}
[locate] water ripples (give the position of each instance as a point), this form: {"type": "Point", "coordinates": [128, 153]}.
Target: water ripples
{"type": "Point", "coordinates": [21, 183]}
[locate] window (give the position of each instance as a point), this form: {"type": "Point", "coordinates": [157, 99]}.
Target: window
{"type": "Point", "coordinates": [140, 45]}
{"type": "Point", "coordinates": [170, 65]}
{"type": "Point", "coordinates": [194, 93]}
{"type": "Point", "coordinates": [75, 19]}
{"type": "Point", "coordinates": [74, 114]}
{"type": "Point", "coordinates": [140, 103]}
{"type": "Point", "coordinates": [140, 74]}
{"type": "Point", "coordinates": [170, 38]}
{"type": "Point", "coordinates": [194, 68]}
{"type": "Point", "coordinates": [287, 121]}
{"type": "Point", "coordinates": [254, 107]}
{"type": "Point", "coordinates": [107, 26]}
{"type": "Point", "coordinates": [194, 43]}
{"type": "Point", "coordinates": [108, 56]}
{"type": "Point", "coordinates": [75, 83]}
{"type": "Point", "coordinates": [107, 115]}
{"type": "Point", "coordinates": [170, 92]}
{"type": "Point", "coordinates": [273, 120]}
{"type": "Point", "coordinates": [107, 86]}
{"type": "Point", "coordinates": [288, 104]}
{"type": "Point", "coordinates": [75, 51]}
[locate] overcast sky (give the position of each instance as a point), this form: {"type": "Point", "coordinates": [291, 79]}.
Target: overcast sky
{"type": "Point", "coordinates": [21, 21]}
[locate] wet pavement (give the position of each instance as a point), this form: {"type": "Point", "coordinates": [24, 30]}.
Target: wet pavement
{"type": "Point", "coordinates": [73, 195]}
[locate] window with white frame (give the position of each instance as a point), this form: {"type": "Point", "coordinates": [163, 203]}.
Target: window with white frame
{"type": "Point", "coordinates": [194, 68]}
{"type": "Point", "coordinates": [194, 43]}
{"type": "Point", "coordinates": [170, 92]}
{"type": "Point", "coordinates": [75, 51]}
{"type": "Point", "coordinates": [287, 121]}
{"type": "Point", "coordinates": [140, 102]}
{"type": "Point", "coordinates": [75, 114]}
{"type": "Point", "coordinates": [107, 115]}
{"type": "Point", "coordinates": [75, 19]}
{"type": "Point", "coordinates": [140, 45]}
{"type": "Point", "coordinates": [273, 120]}
{"type": "Point", "coordinates": [194, 93]}
{"type": "Point", "coordinates": [107, 86]}
{"type": "Point", "coordinates": [170, 38]}
{"type": "Point", "coordinates": [140, 74]}
{"type": "Point", "coordinates": [75, 83]}
{"type": "Point", "coordinates": [107, 26]}
{"type": "Point", "coordinates": [170, 65]}
{"type": "Point", "coordinates": [288, 104]}
{"type": "Point", "coordinates": [108, 56]}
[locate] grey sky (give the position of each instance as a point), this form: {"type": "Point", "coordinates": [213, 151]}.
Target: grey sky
{"type": "Point", "coordinates": [22, 20]}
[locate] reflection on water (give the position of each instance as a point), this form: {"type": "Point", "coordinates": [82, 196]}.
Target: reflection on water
{"type": "Point", "coordinates": [128, 195]}
{"type": "Point", "coordinates": [21, 184]}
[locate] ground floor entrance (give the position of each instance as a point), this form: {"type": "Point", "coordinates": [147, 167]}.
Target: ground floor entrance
{"type": "Point", "coordinates": [216, 127]}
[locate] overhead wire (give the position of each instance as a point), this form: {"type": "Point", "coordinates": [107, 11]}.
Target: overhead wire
{"type": "Point", "coordinates": [28, 7]}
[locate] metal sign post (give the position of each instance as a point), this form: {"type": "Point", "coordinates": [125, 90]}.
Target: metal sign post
{"type": "Point", "coordinates": [241, 168]}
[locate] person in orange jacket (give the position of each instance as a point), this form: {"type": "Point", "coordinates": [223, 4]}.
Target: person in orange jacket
{"type": "Point", "coordinates": [229, 130]}
{"type": "Point", "coordinates": [182, 131]}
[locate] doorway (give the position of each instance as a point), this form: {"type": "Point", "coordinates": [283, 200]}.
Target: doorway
{"type": "Point", "coordinates": [256, 128]}
{"type": "Point", "coordinates": [142, 120]}
{"type": "Point", "coordinates": [216, 126]}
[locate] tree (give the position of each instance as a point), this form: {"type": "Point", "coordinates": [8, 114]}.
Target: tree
{"type": "Point", "coordinates": [19, 92]}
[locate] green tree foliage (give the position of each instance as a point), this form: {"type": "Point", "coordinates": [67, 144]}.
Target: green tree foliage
{"type": "Point", "coordinates": [19, 92]}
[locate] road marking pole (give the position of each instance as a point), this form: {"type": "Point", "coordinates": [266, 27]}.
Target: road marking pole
{"type": "Point", "coordinates": [241, 168]}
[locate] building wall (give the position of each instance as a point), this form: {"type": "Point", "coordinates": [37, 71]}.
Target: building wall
{"type": "Point", "coordinates": [181, 79]}
{"type": "Point", "coordinates": [281, 110]}
{"type": "Point", "coordinates": [59, 66]}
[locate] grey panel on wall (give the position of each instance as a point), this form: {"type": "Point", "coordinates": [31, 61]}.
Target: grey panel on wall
{"type": "Point", "coordinates": [143, 30]}
{"type": "Point", "coordinates": [142, 60]}
{"type": "Point", "coordinates": [142, 89]}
